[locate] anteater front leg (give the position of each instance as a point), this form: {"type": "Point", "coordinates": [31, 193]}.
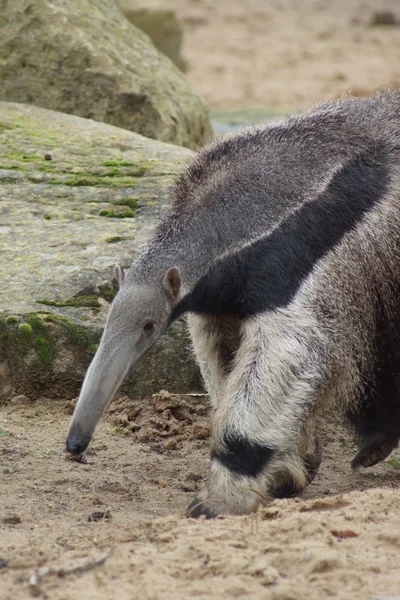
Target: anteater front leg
{"type": "Point", "coordinates": [263, 436]}
{"type": "Point", "coordinates": [215, 340]}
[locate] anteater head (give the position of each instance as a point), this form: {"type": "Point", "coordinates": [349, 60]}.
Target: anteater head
{"type": "Point", "coordinates": [139, 314]}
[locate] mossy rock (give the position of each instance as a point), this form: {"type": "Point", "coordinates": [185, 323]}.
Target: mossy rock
{"type": "Point", "coordinates": [58, 253]}
{"type": "Point", "coordinates": [160, 22]}
{"type": "Point", "coordinates": [84, 57]}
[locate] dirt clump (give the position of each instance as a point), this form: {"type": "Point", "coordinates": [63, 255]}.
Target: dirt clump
{"type": "Point", "coordinates": [165, 419]}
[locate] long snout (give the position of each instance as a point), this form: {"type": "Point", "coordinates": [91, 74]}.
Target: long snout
{"type": "Point", "coordinates": [103, 378]}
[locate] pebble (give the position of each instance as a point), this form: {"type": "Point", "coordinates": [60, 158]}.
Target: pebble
{"type": "Point", "coordinates": [98, 515]}
{"type": "Point", "coordinates": [383, 17]}
{"type": "Point", "coordinates": [12, 520]}
{"type": "Point", "coordinates": [20, 399]}
{"type": "Point", "coordinates": [201, 431]}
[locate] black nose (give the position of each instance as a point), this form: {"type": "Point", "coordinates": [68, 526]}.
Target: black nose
{"type": "Point", "coordinates": [76, 444]}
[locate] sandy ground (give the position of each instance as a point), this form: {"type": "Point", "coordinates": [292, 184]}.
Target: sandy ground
{"type": "Point", "coordinates": [288, 52]}
{"type": "Point", "coordinates": [142, 469]}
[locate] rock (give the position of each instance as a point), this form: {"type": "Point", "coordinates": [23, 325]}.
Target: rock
{"type": "Point", "coordinates": [172, 444]}
{"type": "Point", "coordinates": [327, 560]}
{"type": "Point", "coordinates": [12, 520]}
{"type": "Point", "coordinates": [84, 57]}
{"type": "Point", "coordinates": [159, 21]}
{"type": "Point", "coordinates": [383, 17]}
{"type": "Point", "coordinates": [55, 297]}
{"type": "Point", "coordinates": [201, 431]}
{"type": "Point", "coordinates": [98, 515]}
{"type": "Point", "coordinates": [20, 400]}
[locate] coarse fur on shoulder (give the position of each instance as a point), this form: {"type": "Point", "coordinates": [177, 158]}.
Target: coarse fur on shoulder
{"type": "Point", "coordinates": [360, 119]}
{"type": "Point", "coordinates": [244, 185]}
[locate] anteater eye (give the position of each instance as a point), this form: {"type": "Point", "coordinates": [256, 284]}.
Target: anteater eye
{"type": "Point", "coordinates": [148, 327]}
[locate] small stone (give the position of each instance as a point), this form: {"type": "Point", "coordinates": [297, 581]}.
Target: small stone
{"type": "Point", "coordinates": [122, 420]}
{"type": "Point", "coordinates": [34, 585]}
{"type": "Point", "coordinates": [20, 399]}
{"type": "Point", "coordinates": [165, 538]}
{"type": "Point", "coordinates": [390, 538]}
{"type": "Point", "coordinates": [383, 17]}
{"type": "Point", "coordinates": [3, 562]}
{"type": "Point", "coordinates": [171, 444]}
{"type": "Point", "coordinates": [98, 515]}
{"type": "Point", "coordinates": [12, 520]}
{"type": "Point", "coordinates": [269, 576]}
{"type": "Point", "coordinates": [188, 487]}
{"type": "Point", "coordinates": [69, 406]}
{"type": "Point", "coordinates": [325, 562]}
{"type": "Point", "coordinates": [201, 431]}
{"type": "Point", "coordinates": [48, 156]}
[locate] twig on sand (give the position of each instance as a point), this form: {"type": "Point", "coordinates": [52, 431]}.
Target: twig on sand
{"type": "Point", "coordinates": [36, 578]}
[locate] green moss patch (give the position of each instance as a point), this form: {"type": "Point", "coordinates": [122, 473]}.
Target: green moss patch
{"type": "Point", "coordinates": [77, 335]}
{"type": "Point", "coordinates": [114, 240]}
{"type": "Point", "coordinates": [96, 181]}
{"type": "Point", "coordinates": [123, 208]}
{"type": "Point", "coordinates": [25, 329]}
{"type": "Point", "coordinates": [42, 332]}
{"type": "Point", "coordinates": [44, 350]}
{"type": "Point", "coordinates": [132, 203]}
{"type": "Point", "coordinates": [23, 157]}
{"type": "Point", "coordinates": [117, 163]}
{"type": "Point", "coordinates": [77, 301]}
{"type": "Point", "coordinates": [11, 319]}
{"type": "Point", "coordinates": [29, 335]}
{"type": "Point", "coordinates": [122, 214]}
{"type": "Point", "coordinates": [108, 293]}
{"type": "Point", "coordinates": [113, 173]}
{"type": "Point", "coordinates": [83, 301]}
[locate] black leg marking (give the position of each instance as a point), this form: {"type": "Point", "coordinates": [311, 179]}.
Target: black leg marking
{"type": "Point", "coordinates": [286, 486]}
{"type": "Point", "coordinates": [243, 457]}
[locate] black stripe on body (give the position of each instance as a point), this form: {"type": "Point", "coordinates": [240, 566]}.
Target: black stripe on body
{"type": "Point", "coordinates": [243, 457]}
{"type": "Point", "coordinates": [267, 274]}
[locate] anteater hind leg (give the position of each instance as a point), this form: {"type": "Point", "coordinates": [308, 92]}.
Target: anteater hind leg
{"type": "Point", "coordinates": [377, 422]}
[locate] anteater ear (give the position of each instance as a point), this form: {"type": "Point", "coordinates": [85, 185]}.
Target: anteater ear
{"type": "Point", "coordinates": [172, 283]}
{"type": "Point", "coordinates": [119, 274]}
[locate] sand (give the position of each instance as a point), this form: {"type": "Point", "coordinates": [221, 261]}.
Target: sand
{"type": "Point", "coordinates": [288, 52]}
{"type": "Point", "coordinates": [341, 539]}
